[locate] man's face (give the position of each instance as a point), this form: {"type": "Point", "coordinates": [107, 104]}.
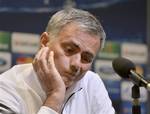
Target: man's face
{"type": "Point", "coordinates": [74, 51]}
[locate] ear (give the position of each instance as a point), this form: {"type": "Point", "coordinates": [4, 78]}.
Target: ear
{"type": "Point", "coordinates": [44, 39]}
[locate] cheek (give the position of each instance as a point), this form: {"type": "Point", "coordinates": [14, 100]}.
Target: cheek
{"type": "Point", "coordinates": [61, 62]}
{"type": "Point", "coordinates": [58, 54]}
{"type": "Point", "coordinates": [86, 67]}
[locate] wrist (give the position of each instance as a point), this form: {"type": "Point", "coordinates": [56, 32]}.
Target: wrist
{"type": "Point", "coordinates": [54, 101]}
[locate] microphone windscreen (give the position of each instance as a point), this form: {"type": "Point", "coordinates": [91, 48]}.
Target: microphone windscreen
{"type": "Point", "coordinates": [123, 66]}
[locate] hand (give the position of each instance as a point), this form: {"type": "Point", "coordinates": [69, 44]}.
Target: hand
{"type": "Point", "coordinates": [50, 78]}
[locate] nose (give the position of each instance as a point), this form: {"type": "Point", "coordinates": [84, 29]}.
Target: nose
{"type": "Point", "coordinates": [75, 64]}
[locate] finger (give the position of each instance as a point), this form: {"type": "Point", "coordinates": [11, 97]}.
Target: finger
{"type": "Point", "coordinates": [51, 59]}
{"type": "Point", "coordinates": [42, 78]}
{"type": "Point", "coordinates": [51, 64]}
{"type": "Point", "coordinates": [39, 64]}
{"type": "Point", "coordinates": [35, 63]}
{"type": "Point", "coordinates": [38, 55]}
{"type": "Point", "coordinates": [44, 59]}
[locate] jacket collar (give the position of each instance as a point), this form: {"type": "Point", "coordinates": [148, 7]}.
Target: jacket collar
{"type": "Point", "coordinates": [74, 88]}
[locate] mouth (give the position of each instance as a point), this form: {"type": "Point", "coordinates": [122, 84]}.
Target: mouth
{"type": "Point", "coordinates": [68, 82]}
{"type": "Point", "coordinates": [70, 76]}
{"type": "Point", "coordinates": [69, 79]}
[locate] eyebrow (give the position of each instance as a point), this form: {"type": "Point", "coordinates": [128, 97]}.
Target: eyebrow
{"type": "Point", "coordinates": [70, 43]}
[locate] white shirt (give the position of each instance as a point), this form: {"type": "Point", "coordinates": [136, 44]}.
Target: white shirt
{"type": "Point", "coordinates": [21, 92]}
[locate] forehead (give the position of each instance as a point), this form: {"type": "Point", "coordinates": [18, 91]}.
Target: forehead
{"type": "Point", "coordinates": [72, 33]}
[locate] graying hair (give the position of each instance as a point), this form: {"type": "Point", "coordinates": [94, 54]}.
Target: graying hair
{"type": "Point", "coordinates": [86, 21]}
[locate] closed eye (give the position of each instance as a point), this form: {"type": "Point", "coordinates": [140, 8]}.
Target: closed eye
{"type": "Point", "coordinates": [86, 57]}
{"type": "Point", "coordinates": [70, 48]}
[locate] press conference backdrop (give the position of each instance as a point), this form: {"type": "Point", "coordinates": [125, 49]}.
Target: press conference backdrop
{"type": "Point", "coordinates": [124, 22]}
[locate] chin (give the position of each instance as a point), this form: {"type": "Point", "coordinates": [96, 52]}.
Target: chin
{"type": "Point", "coordinates": [68, 85]}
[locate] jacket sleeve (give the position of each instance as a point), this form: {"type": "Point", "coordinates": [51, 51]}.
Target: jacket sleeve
{"type": "Point", "coordinates": [10, 102]}
{"type": "Point", "coordinates": [5, 110]}
{"type": "Point", "coordinates": [46, 110]}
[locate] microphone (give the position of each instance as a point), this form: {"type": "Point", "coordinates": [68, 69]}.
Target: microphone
{"type": "Point", "coordinates": [126, 69]}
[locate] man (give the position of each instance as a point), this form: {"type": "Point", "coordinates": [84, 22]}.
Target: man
{"type": "Point", "coordinates": [59, 80]}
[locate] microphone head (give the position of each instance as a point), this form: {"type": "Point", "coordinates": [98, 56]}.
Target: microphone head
{"type": "Point", "coordinates": [123, 66]}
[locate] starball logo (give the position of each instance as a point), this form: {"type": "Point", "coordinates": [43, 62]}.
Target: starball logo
{"type": "Point", "coordinates": [25, 43]}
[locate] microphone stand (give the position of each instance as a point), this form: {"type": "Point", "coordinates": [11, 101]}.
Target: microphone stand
{"type": "Point", "coordinates": [136, 109]}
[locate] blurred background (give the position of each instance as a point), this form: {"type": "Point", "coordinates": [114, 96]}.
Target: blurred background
{"type": "Point", "coordinates": [126, 23]}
